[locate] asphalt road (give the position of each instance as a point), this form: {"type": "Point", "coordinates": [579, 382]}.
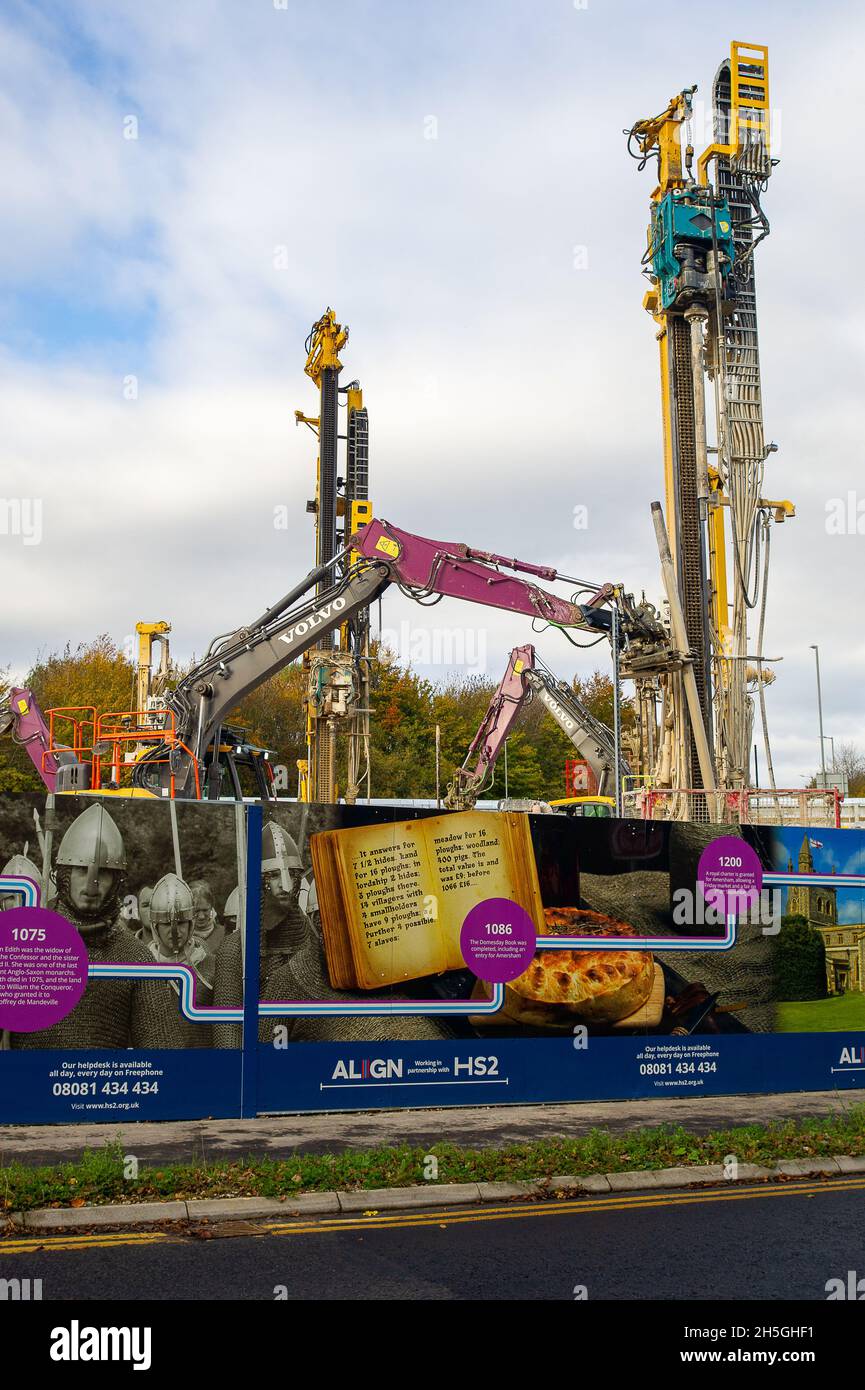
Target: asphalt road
{"type": "Point", "coordinates": [766, 1242]}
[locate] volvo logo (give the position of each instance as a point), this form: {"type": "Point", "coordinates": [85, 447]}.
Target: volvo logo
{"type": "Point", "coordinates": [314, 620]}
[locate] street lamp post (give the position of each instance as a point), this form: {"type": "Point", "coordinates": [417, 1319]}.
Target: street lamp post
{"type": "Point", "coordinates": [816, 651]}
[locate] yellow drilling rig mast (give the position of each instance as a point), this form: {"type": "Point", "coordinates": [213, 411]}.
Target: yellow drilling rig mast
{"type": "Point", "coordinates": [703, 230]}
{"type": "Point", "coordinates": [336, 700]}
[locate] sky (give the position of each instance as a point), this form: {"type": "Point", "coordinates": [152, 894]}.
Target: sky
{"type": "Point", "coordinates": [835, 852]}
{"type": "Point", "coordinates": [188, 187]}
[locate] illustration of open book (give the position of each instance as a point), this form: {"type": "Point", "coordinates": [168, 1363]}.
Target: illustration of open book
{"type": "Point", "coordinates": [393, 898]}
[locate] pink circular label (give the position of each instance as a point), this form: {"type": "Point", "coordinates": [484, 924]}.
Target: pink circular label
{"type": "Point", "coordinates": [498, 940]}
{"type": "Point", "coordinates": [43, 968]}
{"type": "Point", "coordinates": [730, 874]}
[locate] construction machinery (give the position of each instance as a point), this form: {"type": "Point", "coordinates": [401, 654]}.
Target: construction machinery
{"type": "Point", "coordinates": [336, 700]}
{"type": "Point", "coordinates": [695, 705]}
{"type": "Point", "coordinates": [527, 678]}
{"type": "Point", "coordinates": [78, 748]}
{"type": "Point", "coordinates": [378, 555]}
{"type": "Point", "coordinates": [150, 685]}
{"type": "Point", "coordinates": [698, 669]}
{"type": "Point", "coordinates": [190, 756]}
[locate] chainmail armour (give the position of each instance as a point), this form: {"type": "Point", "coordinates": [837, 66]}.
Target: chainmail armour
{"type": "Point", "coordinates": [114, 1013]}
{"type": "Point", "coordinates": [292, 966]}
{"type": "Point", "coordinates": [194, 1034]}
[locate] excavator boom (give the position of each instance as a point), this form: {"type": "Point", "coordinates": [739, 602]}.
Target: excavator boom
{"type": "Point", "coordinates": [524, 679]}
{"type": "Point", "coordinates": [383, 554]}
{"type": "Point", "coordinates": [377, 555]}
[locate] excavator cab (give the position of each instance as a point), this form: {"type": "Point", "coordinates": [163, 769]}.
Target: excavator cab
{"type": "Point", "coordinates": [243, 771]}
{"type": "Point", "coordinates": [594, 806]}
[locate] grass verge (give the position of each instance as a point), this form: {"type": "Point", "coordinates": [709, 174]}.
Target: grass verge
{"type": "Point", "coordinates": [110, 1174]}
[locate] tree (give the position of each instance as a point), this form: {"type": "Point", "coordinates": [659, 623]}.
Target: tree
{"type": "Point", "coordinates": [17, 773]}
{"type": "Point", "coordinates": [849, 760]}
{"type": "Point", "coordinates": [801, 972]}
{"type": "Point", "coordinates": [94, 675]}
{"type": "Point", "coordinates": [405, 711]}
{"type": "Point", "coordinates": [273, 717]}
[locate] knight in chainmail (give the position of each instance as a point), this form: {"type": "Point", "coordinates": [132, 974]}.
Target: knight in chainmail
{"type": "Point", "coordinates": [292, 965]}
{"type": "Point", "coordinates": [172, 912]}
{"type": "Point", "coordinates": [90, 876]}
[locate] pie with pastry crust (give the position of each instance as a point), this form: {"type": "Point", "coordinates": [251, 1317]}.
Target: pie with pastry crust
{"type": "Point", "coordinates": [593, 985]}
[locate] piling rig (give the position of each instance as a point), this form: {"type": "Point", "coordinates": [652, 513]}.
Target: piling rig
{"type": "Point", "coordinates": [703, 232]}
{"type": "Point", "coordinates": [336, 699]}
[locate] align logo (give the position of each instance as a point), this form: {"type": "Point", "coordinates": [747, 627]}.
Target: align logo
{"type": "Point", "coordinates": [77, 1343]}
{"type": "Point", "coordinates": [377, 1069]}
{"type": "Point", "coordinates": [852, 1057]}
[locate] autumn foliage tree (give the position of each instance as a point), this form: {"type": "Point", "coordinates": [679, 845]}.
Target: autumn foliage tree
{"type": "Point", "coordinates": [405, 707]}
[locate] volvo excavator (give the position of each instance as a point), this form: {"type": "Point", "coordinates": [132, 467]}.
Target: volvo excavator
{"type": "Point", "coordinates": [183, 759]}
{"type": "Point", "coordinates": [527, 678]}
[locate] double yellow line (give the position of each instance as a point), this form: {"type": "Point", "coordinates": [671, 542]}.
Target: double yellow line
{"type": "Point", "coordinates": [50, 1244]}
{"type": "Point", "coordinates": [450, 1216]}
{"type": "Point", "coordinates": [579, 1207]}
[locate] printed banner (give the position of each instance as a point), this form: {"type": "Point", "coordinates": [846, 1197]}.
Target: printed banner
{"type": "Point", "coordinates": [165, 959]}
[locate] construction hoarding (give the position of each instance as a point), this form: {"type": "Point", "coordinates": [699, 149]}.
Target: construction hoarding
{"type": "Point", "coordinates": [163, 959]}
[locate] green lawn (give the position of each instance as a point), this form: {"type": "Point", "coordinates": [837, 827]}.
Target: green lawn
{"type": "Point", "coordinates": [837, 1014]}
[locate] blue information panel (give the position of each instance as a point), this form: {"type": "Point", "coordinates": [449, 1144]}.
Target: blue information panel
{"type": "Point", "coordinates": [517, 1072]}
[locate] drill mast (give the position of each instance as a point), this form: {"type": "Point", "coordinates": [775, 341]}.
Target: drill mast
{"type": "Point", "coordinates": [700, 262]}
{"type": "Point", "coordinates": [337, 671]}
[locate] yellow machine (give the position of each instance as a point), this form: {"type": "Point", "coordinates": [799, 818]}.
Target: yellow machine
{"type": "Point", "coordinates": [337, 670]}
{"type": "Point", "coordinates": [148, 685]}
{"type": "Point", "coordinates": [700, 263]}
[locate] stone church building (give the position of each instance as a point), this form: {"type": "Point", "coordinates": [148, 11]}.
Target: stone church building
{"type": "Point", "coordinates": [845, 942]}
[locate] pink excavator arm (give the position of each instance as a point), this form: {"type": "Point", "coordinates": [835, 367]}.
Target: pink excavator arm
{"type": "Point", "coordinates": [459, 571]}
{"type": "Point", "coordinates": [22, 717]}
{"type": "Point", "coordinates": [497, 723]}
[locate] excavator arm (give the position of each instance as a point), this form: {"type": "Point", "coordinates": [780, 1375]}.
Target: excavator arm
{"type": "Point", "coordinates": [488, 742]}
{"type": "Point", "coordinates": [590, 736]}
{"type": "Point", "coordinates": [21, 716]}
{"type": "Point", "coordinates": [377, 555]}
{"type": "Point", "coordinates": [524, 679]}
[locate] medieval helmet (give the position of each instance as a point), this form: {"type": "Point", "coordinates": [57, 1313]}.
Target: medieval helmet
{"type": "Point", "coordinates": [232, 905]}
{"type": "Point", "coordinates": [92, 842]}
{"type": "Point", "coordinates": [279, 854]}
{"type": "Point", "coordinates": [19, 866]}
{"type": "Point", "coordinates": [171, 907]}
